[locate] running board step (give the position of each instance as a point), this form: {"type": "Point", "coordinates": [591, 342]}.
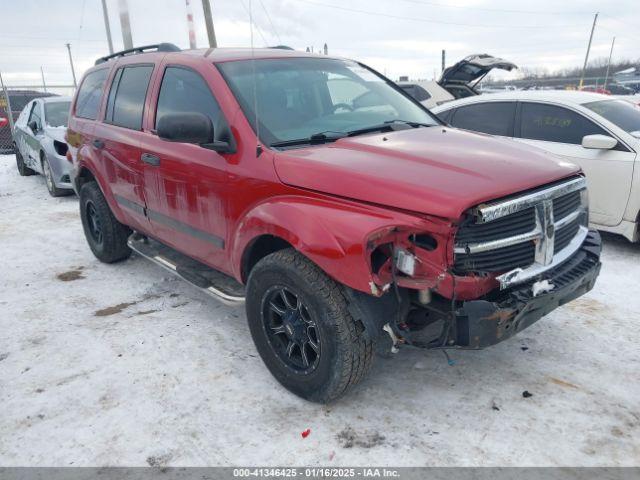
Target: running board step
{"type": "Point", "coordinates": [211, 281]}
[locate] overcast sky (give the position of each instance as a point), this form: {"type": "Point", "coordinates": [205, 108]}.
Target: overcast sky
{"type": "Point", "coordinates": [397, 37]}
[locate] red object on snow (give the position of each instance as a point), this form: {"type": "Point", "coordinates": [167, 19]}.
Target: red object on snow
{"type": "Point", "coordinates": [306, 433]}
{"type": "Point", "coordinates": [4, 121]}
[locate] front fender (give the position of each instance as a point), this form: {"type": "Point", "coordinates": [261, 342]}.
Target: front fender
{"type": "Point", "coordinates": [331, 233]}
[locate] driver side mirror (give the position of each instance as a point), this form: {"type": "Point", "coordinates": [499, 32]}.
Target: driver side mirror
{"type": "Point", "coordinates": [192, 127]}
{"type": "Point", "coordinates": [599, 142]}
{"type": "Point", "coordinates": [33, 126]}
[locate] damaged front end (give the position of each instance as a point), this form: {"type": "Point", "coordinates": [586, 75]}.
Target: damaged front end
{"type": "Point", "coordinates": [505, 266]}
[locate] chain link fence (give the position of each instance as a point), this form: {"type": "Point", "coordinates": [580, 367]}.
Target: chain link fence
{"type": "Point", "coordinates": [13, 99]}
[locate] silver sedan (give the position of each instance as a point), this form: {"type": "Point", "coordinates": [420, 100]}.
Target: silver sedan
{"type": "Point", "coordinates": [40, 144]}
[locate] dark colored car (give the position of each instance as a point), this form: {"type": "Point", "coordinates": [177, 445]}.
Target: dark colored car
{"type": "Point", "coordinates": [344, 214]}
{"type": "Point", "coordinates": [18, 99]}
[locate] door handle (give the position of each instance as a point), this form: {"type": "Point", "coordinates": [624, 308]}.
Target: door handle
{"type": "Point", "coordinates": [150, 159]}
{"type": "Point", "coordinates": [98, 143]}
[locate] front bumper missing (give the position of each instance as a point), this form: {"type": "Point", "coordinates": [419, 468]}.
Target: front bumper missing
{"type": "Point", "coordinates": [481, 323]}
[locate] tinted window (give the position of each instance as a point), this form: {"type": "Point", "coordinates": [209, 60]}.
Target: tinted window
{"type": "Point", "coordinates": [90, 93]}
{"type": "Point", "coordinates": [56, 114]}
{"type": "Point", "coordinates": [555, 124]}
{"type": "Point", "coordinates": [184, 91]}
{"type": "Point", "coordinates": [495, 118]}
{"type": "Point", "coordinates": [417, 92]}
{"type": "Point", "coordinates": [126, 97]}
{"type": "Point", "coordinates": [446, 115]}
{"type": "Point", "coordinates": [619, 112]}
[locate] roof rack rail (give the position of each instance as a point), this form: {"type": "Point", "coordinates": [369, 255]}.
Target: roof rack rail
{"type": "Point", "coordinates": [159, 47]}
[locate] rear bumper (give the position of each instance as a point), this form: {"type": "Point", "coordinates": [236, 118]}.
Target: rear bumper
{"type": "Point", "coordinates": [481, 323]}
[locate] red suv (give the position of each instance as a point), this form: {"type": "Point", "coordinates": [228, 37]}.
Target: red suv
{"type": "Point", "coordinates": [347, 216]}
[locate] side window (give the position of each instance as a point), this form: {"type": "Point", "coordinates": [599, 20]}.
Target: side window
{"type": "Point", "coordinates": [446, 115]}
{"type": "Point", "coordinates": [184, 91]}
{"type": "Point", "coordinates": [420, 93]}
{"type": "Point", "coordinates": [90, 93]}
{"type": "Point", "coordinates": [125, 104]}
{"type": "Point", "coordinates": [555, 124]}
{"type": "Point", "coordinates": [495, 118]}
{"type": "Point", "coordinates": [35, 116]}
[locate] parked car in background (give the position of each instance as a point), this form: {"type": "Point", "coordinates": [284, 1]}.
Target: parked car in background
{"type": "Point", "coordinates": [599, 133]}
{"type": "Point", "coordinates": [617, 89]}
{"type": "Point", "coordinates": [18, 99]}
{"type": "Point", "coordinates": [457, 81]}
{"type": "Point", "coordinates": [355, 218]}
{"type": "Point", "coordinates": [40, 144]}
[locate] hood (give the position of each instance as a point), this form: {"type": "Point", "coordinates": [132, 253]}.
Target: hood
{"type": "Point", "coordinates": [473, 68]}
{"type": "Point", "coordinates": [57, 133]}
{"type": "Point", "coordinates": [435, 170]}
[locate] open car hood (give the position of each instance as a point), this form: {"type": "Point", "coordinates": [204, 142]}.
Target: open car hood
{"type": "Point", "coordinates": [436, 170]}
{"type": "Point", "coordinates": [473, 68]}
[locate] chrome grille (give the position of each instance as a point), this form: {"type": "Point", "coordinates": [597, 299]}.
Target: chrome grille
{"type": "Point", "coordinates": [524, 234]}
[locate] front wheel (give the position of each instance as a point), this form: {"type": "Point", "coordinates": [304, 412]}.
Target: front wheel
{"type": "Point", "coordinates": [106, 237]}
{"type": "Point", "coordinates": [302, 328]}
{"type": "Point", "coordinates": [23, 170]}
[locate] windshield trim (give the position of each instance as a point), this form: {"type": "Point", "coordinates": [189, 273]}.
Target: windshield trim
{"type": "Point", "coordinates": [251, 121]}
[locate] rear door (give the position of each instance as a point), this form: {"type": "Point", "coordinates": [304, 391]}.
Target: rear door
{"type": "Point", "coordinates": [185, 184]}
{"type": "Point", "coordinates": [22, 133]}
{"type": "Point", "coordinates": [118, 136]}
{"type": "Point", "coordinates": [609, 173]}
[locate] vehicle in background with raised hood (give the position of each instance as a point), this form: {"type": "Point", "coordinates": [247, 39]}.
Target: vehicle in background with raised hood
{"type": "Point", "coordinates": [40, 145]}
{"type": "Point", "coordinates": [346, 216]}
{"type": "Point", "coordinates": [458, 81]}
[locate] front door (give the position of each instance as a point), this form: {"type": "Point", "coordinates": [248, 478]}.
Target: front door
{"type": "Point", "coordinates": [185, 184]}
{"type": "Point", "coordinates": [609, 172]}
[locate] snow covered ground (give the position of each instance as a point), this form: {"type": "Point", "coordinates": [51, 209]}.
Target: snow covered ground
{"type": "Point", "coordinates": [124, 365]}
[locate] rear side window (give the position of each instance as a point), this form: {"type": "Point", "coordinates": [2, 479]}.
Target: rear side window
{"type": "Point", "coordinates": [551, 123]}
{"type": "Point", "coordinates": [185, 91]}
{"type": "Point", "coordinates": [495, 118]}
{"type": "Point", "coordinates": [90, 93]}
{"type": "Point", "coordinates": [126, 96]}
{"type": "Point", "coordinates": [417, 92]}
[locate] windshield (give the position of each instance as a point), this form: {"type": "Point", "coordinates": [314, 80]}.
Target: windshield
{"type": "Point", "coordinates": [301, 97]}
{"type": "Point", "coordinates": [56, 114]}
{"type": "Point", "coordinates": [619, 112]}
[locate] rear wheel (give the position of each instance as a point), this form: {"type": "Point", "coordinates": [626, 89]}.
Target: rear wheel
{"type": "Point", "coordinates": [48, 176]}
{"type": "Point", "coordinates": [302, 328]}
{"type": "Point", "coordinates": [106, 237]}
{"type": "Point", "coordinates": [23, 170]}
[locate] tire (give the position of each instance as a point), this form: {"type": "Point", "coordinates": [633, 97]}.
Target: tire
{"type": "Point", "coordinates": [48, 176]}
{"type": "Point", "coordinates": [106, 237]}
{"type": "Point", "coordinates": [23, 170]}
{"type": "Point", "coordinates": [344, 355]}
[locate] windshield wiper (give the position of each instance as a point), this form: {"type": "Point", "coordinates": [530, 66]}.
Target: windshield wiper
{"type": "Point", "coordinates": [332, 135]}
{"type": "Point", "coordinates": [315, 139]}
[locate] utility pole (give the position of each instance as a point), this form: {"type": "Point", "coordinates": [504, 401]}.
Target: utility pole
{"type": "Point", "coordinates": [208, 20]}
{"type": "Point", "coordinates": [326, 49]}
{"type": "Point", "coordinates": [8, 100]}
{"type": "Point", "coordinates": [586, 57]}
{"type": "Point", "coordinates": [443, 58]}
{"type": "Point", "coordinates": [190, 27]}
{"type": "Point", "coordinates": [73, 72]}
{"type": "Point", "coordinates": [44, 84]}
{"type": "Point", "coordinates": [105, 14]}
{"type": "Point", "coordinates": [125, 24]}
{"type": "Point", "coordinates": [606, 77]}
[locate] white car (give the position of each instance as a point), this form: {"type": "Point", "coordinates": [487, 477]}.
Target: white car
{"type": "Point", "coordinates": [599, 133]}
{"type": "Point", "coordinates": [457, 81]}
